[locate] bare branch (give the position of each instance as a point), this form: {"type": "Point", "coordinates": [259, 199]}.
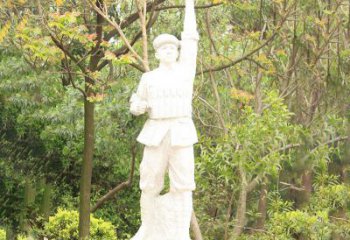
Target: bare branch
{"type": "Point", "coordinates": [252, 185]}
{"type": "Point", "coordinates": [130, 19]}
{"type": "Point", "coordinates": [291, 186]}
{"type": "Point", "coordinates": [119, 29]}
{"type": "Point", "coordinates": [208, 104]}
{"type": "Point", "coordinates": [120, 186]}
{"type": "Point", "coordinates": [124, 49]}
{"type": "Point", "coordinates": [70, 77]}
{"type": "Point", "coordinates": [69, 54]}
{"type": "Point", "coordinates": [218, 103]}
{"type": "Point", "coordinates": [244, 57]}
{"type": "Point", "coordinates": [141, 9]}
{"type": "Point", "coordinates": [256, 180]}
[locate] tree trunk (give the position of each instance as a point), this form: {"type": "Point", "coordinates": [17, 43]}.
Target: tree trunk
{"type": "Point", "coordinates": [306, 179]}
{"type": "Point", "coordinates": [228, 215]}
{"type": "Point", "coordinates": [29, 198]}
{"type": "Point", "coordinates": [242, 205]}
{"type": "Point", "coordinates": [195, 227]}
{"type": "Point", "coordinates": [10, 235]}
{"type": "Point", "coordinates": [86, 173]}
{"type": "Point", "coordinates": [89, 135]}
{"type": "Point", "coordinates": [46, 201]}
{"type": "Point", "coordinates": [262, 207]}
{"type": "Point", "coordinates": [345, 162]}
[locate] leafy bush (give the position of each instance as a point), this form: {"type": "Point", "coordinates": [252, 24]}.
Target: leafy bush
{"type": "Point", "coordinates": [2, 234]}
{"type": "Point", "coordinates": [64, 225]}
{"type": "Point", "coordinates": [295, 223]}
{"type": "Point", "coordinates": [260, 236]}
{"type": "Point", "coordinates": [332, 197]}
{"type": "Point", "coordinates": [21, 237]}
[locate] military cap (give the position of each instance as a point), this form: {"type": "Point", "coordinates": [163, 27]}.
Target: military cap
{"type": "Point", "coordinates": [165, 38]}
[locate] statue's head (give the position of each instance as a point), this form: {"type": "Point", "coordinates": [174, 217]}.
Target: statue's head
{"type": "Point", "coordinates": [166, 46]}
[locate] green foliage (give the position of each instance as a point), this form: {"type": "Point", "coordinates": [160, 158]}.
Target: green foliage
{"type": "Point", "coordinates": [269, 133]}
{"type": "Point", "coordinates": [331, 197]}
{"type": "Point", "coordinates": [292, 223]}
{"type": "Point", "coordinates": [64, 225]}
{"type": "Point", "coordinates": [22, 237]}
{"type": "Point", "coordinates": [261, 236]}
{"type": "Point", "coordinates": [277, 204]}
{"type": "Point", "coordinates": [35, 43]}
{"type": "Point", "coordinates": [341, 228]}
{"type": "Point", "coordinates": [257, 144]}
{"type": "Point", "coordinates": [300, 77]}
{"type": "Point", "coordinates": [257, 140]}
{"type": "Point", "coordinates": [48, 120]}
{"type": "Point", "coordinates": [2, 234]}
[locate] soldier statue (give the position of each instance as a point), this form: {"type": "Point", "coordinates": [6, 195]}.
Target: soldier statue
{"type": "Point", "coordinates": [165, 94]}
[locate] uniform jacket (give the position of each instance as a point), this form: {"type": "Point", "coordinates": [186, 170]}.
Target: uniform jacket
{"type": "Point", "coordinates": [168, 99]}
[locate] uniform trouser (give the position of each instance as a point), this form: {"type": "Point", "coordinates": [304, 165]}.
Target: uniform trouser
{"type": "Point", "coordinates": [168, 216]}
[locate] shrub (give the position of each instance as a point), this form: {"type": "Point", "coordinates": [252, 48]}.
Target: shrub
{"type": "Point", "coordinates": [2, 234]}
{"type": "Point", "coordinates": [300, 223]}
{"type": "Point", "coordinates": [64, 225]}
{"type": "Point", "coordinates": [21, 237]}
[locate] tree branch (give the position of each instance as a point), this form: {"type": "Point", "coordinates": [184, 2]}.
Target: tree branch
{"type": "Point", "coordinates": [124, 49]}
{"type": "Point", "coordinates": [293, 187]}
{"type": "Point", "coordinates": [130, 19]}
{"type": "Point", "coordinates": [142, 10]}
{"type": "Point", "coordinates": [120, 186]}
{"type": "Point", "coordinates": [58, 42]}
{"type": "Point", "coordinates": [253, 183]}
{"type": "Point", "coordinates": [256, 180]}
{"type": "Point", "coordinates": [244, 57]}
{"type": "Point", "coordinates": [119, 30]}
{"type": "Point", "coordinates": [99, 21]}
{"type": "Point", "coordinates": [69, 54]}
{"type": "Point", "coordinates": [69, 72]}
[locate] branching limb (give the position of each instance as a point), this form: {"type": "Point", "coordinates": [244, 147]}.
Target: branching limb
{"type": "Point", "coordinates": [104, 14]}
{"type": "Point", "coordinates": [60, 45]}
{"type": "Point", "coordinates": [142, 10]}
{"type": "Point", "coordinates": [69, 72]}
{"type": "Point", "coordinates": [69, 54]}
{"type": "Point", "coordinates": [120, 186]}
{"type": "Point", "coordinates": [130, 19]}
{"type": "Point", "coordinates": [256, 180]}
{"type": "Point", "coordinates": [124, 49]}
{"type": "Point", "coordinates": [244, 57]}
{"type": "Point", "coordinates": [293, 187]}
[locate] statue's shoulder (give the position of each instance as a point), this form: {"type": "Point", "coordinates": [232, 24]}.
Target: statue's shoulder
{"type": "Point", "coordinates": [149, 74]}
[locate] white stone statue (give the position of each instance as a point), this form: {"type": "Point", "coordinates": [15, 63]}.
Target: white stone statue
{"type": "Point", "coordinates": [168, 135]}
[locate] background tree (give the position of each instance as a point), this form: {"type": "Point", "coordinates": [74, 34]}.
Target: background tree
{"type": "Point", "coordinates": [271, 106]}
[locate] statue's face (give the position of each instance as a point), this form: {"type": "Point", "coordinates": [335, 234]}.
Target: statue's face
{"type": "Point", "coordinates": [167, 53]}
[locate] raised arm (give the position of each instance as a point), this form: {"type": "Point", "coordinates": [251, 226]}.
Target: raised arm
{"type": "Point", "coordinates": [190, 25]}
{"type": "Point", "coordinates": [189, 40]}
